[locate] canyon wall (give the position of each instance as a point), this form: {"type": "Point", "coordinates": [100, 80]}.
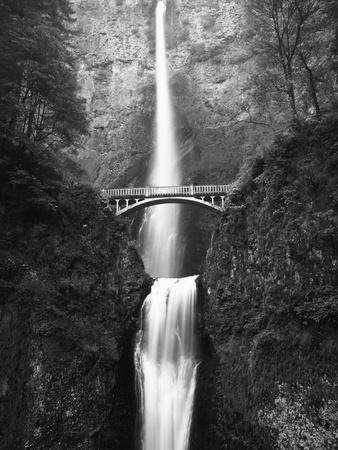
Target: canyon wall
{"type": "Point", "coordinates": [271, 305]}
{"type": "Point", "coordinates": [209, 70]}
{"type": "Point", "coordinates": [71, 289]}
{"type": "Point", "coordinates": [209, 67]}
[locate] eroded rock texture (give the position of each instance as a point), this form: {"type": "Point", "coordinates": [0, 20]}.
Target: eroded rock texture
{"type": "Point", "coordinates": [209, 67]}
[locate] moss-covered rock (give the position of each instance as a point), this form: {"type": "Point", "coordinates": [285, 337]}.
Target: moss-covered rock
{"type": "Point", "coordinates": [272, 311]}
{"type": "Point", "coordinates": [71, 288]}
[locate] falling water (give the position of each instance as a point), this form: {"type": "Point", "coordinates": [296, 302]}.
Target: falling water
{"type": "Point", "coordinates": [161, 248]}
{"type": "Point", "coordinates": [165, 364]}
{"type": "Point", "coordinates": [165, 351]}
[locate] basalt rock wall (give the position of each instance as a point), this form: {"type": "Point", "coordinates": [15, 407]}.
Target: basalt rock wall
{"type": "Point", "coordinates": [208, 64]}
{"type": "Point", "coordinates": [115, 43]}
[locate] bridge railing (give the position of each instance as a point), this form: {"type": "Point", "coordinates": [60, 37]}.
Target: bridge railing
{"type": "Point", "coordinates": [166, 191]}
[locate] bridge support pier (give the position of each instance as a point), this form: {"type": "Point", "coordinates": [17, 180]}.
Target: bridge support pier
{"type": "Point", "coordinates": [117, 203]}
{"type": "Point", "coordinates": [212, 200]}
{"type": "Point", "coordinates": [223, 201]}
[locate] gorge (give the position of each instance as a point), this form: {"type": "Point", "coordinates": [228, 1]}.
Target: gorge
{"type": "Point", "coordinates": [251, 343]}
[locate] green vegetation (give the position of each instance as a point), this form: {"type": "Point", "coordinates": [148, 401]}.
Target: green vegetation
{"type": "Point", "coordinates": [70, 288]}
{"type": "Point", "coordinates": [273, 308]}
{"type": "Point", "coordinates": [285, 56]}
{"type": "Point", "coordinates": [38, 87]}
{"type": "Point", "coordinates": [70, 283]}
{"type": "Point", "coordinates": [292, 43]}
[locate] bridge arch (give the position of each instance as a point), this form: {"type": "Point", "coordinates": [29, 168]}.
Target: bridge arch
{"type": "Point", "coordinates": [147, 202]}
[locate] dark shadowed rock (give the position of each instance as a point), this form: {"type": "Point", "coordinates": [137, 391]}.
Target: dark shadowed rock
{"type": "Point", "coordinates": [71, 289]}
{"type": "Point", "coordinates": [272, 308]}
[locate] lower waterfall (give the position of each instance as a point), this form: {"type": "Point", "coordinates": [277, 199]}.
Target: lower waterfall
{"type": "Point", "coordinates": [165, 363]}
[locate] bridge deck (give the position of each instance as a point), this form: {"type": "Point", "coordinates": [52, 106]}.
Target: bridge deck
{"type": "Point", "coordinates": [166, 191]}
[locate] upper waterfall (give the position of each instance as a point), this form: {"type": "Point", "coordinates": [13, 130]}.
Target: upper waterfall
{"type": "Point", "coordinates": [166, 171]}
{"type": "Point", "coordinates": [161, 250]}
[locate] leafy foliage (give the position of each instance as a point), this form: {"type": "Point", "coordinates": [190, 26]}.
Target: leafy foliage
{"type": "Point", "coordinates": [38, 87]}
{"type": "Point", "coordinates": [292, 43]}
{"type": "Point", "coordinates": [273, 307]}
{"type": "Point", "coordinates": [295, 427]}
{"type": "Point", "coordinates": [70, 291]}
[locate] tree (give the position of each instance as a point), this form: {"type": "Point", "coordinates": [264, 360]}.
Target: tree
{"type": "Point", "coordinates": [38, 88]}
{"type": "Point", "coordinates": [334, 12]}
{"type": "Point", "coordinates": [292, 38]}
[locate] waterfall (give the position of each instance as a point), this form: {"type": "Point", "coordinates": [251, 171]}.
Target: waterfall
{"type": "Point", "coordinates": [161, 254]}
{"type": "Point", "coordinates": [165, 364]}
{"type": "Point", "coordinates": [165, 350]}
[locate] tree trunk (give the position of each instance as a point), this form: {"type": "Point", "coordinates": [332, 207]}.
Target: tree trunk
{"type": "Point", "coordinates": [292, 98]}
{"type": "Point", "coordinates": [312, 84]}
{"type": "Point", "coordinates": [31, 115]}
{"type": "Point", "coordinates": [335, 55]}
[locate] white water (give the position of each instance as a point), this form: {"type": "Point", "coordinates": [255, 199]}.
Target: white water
{"type": "Point", "coordinates": [165, 351]}
{"type": "Point", "coordinates": [165, 364]}
{"type": "Point", "coordinates": [161, 254]}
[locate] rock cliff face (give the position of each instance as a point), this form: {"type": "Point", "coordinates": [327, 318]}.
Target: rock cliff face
{"type": "Point", "coordinates": [71, 288]}
{"type": "Point", "coordinates": [115, 45]}
{"type": "Point", "coordinates": [208, 64]}
{"type": "Point", "coordinates": [272, 307]}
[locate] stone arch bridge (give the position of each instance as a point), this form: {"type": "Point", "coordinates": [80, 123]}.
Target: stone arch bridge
{"type": "Point", "coordinates": [128, 200]}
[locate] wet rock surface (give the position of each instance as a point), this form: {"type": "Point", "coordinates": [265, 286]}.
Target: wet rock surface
{"type": "Point", "coordinates": [115, 44]}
